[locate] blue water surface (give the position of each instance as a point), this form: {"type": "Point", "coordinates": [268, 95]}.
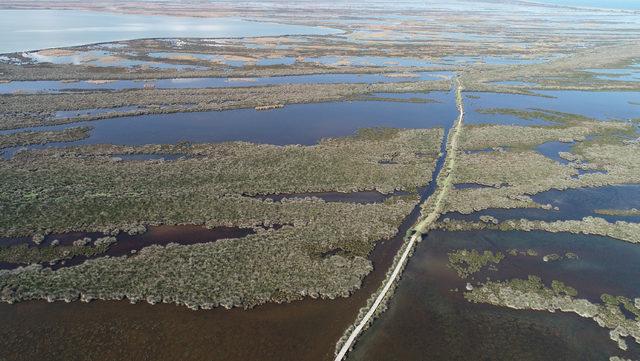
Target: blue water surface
{"type": "Point", "coordinates": [24, 30]}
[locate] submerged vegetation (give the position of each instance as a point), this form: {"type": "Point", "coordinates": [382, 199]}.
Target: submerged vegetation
{"type": "Point", "coordinates": [622, 230]}
{"type": "Point", "coordinates": [300, 245]}
{"type": "Point", "coordinates": [514, 174]}
{"type": "Point", "coordinates": [533, 294]}
{"type": "Point", "coordinates": [467, 262]}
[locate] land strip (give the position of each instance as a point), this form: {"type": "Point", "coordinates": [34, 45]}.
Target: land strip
{"type": "Point", "coordinates": [31, 137]}
{"type": "Point", "coordinates": [422, 227]}
{"type": "Point", "coordinates": [22, 110]}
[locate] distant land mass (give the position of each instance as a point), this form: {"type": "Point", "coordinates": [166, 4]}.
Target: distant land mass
{"type": "Point", "coordinates": [608, 4]}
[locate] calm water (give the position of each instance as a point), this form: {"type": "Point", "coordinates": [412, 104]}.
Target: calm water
{"type": "Point", "coordinates": [426, 320]}
{"type": "Point", "coordinates": [552, 150]}
{"type": "Point", "coordinates": [572, 203]}
{"type": "Point", "coordinates": [631, 73]}
{"type": "Point", "coordinates": [25, 30]}
{"type": "Point", "coordinates": [581, 202]}
{"type": "Point", "coordinates": [104, 330]}
{"type": "Point", "coordinates": [600, 105]}
{"type": "Point", "coordinates": [304, 330]}
{"type": "Point", "coordinates": [293, 124]}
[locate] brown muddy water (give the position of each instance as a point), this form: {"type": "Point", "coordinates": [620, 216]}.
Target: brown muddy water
{"type": "Point", "coordinates": [108, 330]}
{"type": "Point", "coordinates": [117, 330]}
{"type": "Point", "coordinates": [429, 320]}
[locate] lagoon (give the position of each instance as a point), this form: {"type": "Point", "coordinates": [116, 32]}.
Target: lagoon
{"type": "Point", "coordinates": [429, 316]}
{"type": "Point", "coordinates": [25, 30]}
{"type": "Point", "coordinates": [294, 124]}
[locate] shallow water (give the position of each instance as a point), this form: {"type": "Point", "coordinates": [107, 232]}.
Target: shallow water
{"type": "Point", "coordinates": [304, 330]}
{"type": "Point", "coordinates": [426, 319]}
{"type": "Point", "coordinates": [572, 203]}
{"type": "Point", "coordinates": [285, 60]}
{"type": "Point", "coordinates": [603, 105]}
{"type": "Point", "coordinates": [111, 330]}
{"type": "Point", "coordinates": [37, 29]}
{"type": "Point", "coordinates": [631, 73]}
{"type": "Point", "coordinates": [581, 202]}
{"type": "Point", "coordinates": [294, 124]}
{"type": "Point", "coordinates": [52, 86]}
{"type": "Point", "coordinates": [406, 96]}
{"type": "Point", "coordinates": [552, 150]}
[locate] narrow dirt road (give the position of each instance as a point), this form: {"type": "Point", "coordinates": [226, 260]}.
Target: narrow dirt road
{"type": "Point", "coordinates": [446, 174]}
{"type": "Point", "coordinates": [444, 184]}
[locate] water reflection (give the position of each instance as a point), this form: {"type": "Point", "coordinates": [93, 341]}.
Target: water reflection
{"type": "Point", "coordinates": [294, 124]}
{"type": "Point", "coordinates": [38, 29]}
{"type": "Point", "coordinates": [601, 105]}
{"type": "Point", "coordinates": [572, 204]}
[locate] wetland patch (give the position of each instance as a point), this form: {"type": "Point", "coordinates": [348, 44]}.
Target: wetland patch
{"type": "Point", "coordinates": [593, 104]}
{"type": "Point", "coordinates": [426, 296]}
{"type": "Point", "coordinates": [294, 124]}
